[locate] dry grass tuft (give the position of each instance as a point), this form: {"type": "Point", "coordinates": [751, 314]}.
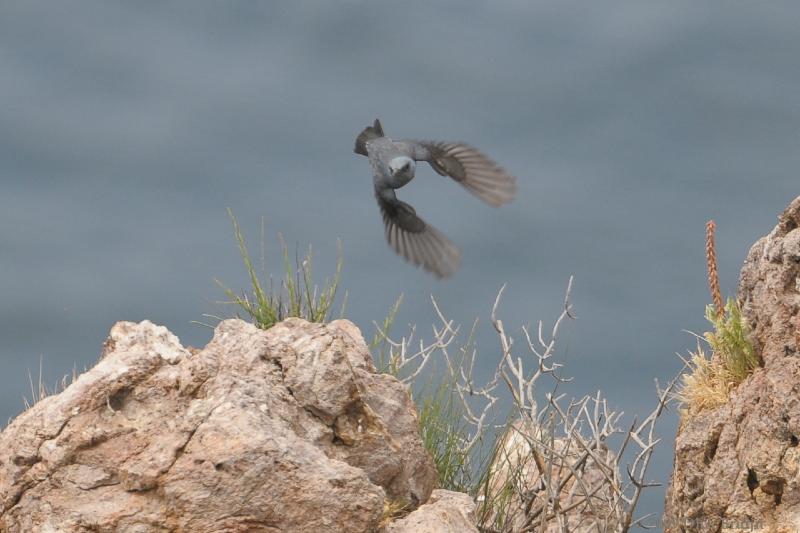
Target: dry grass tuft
{"type": "Point", "coordinates": [707, 386]}
{"type": "Point", "coordinates": [393, 510]}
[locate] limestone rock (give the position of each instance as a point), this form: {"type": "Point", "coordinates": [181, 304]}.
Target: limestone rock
{"type": "Point", "coordinates": [289, 429]}
{"type": "Point", "coordinates": [769, 289]}
{"type": "Point", "coordinates": [738, 466]}
{"type": "Point", "coordinates": [445, 512]}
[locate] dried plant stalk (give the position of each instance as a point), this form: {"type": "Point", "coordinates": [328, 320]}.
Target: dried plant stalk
{"type": "Point", "coordinates": [711, 262]}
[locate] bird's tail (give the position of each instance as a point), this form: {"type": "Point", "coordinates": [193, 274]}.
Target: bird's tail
{"type": "Point", "coordinates": [369, 133]}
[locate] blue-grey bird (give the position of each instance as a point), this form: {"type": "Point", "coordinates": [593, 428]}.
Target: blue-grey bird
{"type": "Point", "coordinates": [393, 165]}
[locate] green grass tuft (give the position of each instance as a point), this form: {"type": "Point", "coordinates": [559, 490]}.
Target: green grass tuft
{"type": "Point", "coordinates": [729, 341]}
{"type": "Point", "coordinates": [296, 296]}
{"type": "Point", "coordinates": [711, 380]}
{"type": "Point", "coordinates": [443, 429]}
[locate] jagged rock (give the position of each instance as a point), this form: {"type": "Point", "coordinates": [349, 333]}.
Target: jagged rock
{"type": "Point", "coordinates": [769, 289]}
{"type": "Point", "coordinates": [289, 429]}
{"type": "Point", "coordinates": [737, 466]}
{"type": "Point", "coordinates": [445, 512]}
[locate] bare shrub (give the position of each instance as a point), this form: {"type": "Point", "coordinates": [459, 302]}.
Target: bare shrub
{"type": "Point", "coordinates": [550, 463]}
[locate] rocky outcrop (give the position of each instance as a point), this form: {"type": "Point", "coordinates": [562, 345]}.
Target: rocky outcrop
{"type": "Point", "coordinates": [289, 429]}
{"type": "Point", "coordinates": [769, 290]}
{"type": "Point", "coordinates": [738, 466]}
{"type": "Point", "coordinates": [445, 512]}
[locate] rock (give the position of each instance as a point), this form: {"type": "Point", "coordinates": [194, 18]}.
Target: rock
{"type": "Point", "coordinates": [736, 466]}
{"type": "Point", "coordinates": [769, 289]}
{"type": "Point", "coordinates": [289, 429]}
{"type": "Point", "coordinates": [445, 512]}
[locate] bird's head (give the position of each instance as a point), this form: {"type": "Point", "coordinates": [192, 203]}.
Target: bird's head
{"type": "Point", "coordinates": [402, 166]}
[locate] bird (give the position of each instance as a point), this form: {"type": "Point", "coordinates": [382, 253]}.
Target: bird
{"type": "Point", "coordinates": [393, 165]}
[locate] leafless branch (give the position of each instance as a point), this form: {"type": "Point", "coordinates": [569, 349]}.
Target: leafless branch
{"type": "Point", "coordinates": [554, 466]}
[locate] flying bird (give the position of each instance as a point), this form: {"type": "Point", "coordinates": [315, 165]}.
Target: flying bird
{"type": "Point", "coordinates": [393, 166]}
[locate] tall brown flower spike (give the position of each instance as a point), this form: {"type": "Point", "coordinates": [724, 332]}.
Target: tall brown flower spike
{"type": "Point", "coordinates": [711, 262]}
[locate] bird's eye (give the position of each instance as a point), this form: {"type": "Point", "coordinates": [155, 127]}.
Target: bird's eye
{"type": "Point", "coordinates": [405, 165]}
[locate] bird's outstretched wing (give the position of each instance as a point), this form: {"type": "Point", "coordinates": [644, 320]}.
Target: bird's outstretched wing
{"type": "Point", "coordinates": [415, 240]}
{"type": "Point", "coordinates": [479, 174]}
